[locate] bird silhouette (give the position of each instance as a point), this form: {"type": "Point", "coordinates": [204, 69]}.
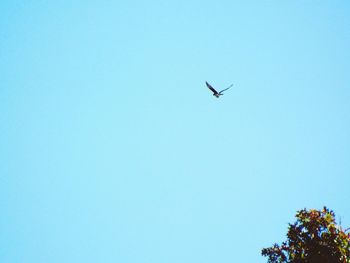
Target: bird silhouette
{"type": "Point", "coordinates": [215, 93]}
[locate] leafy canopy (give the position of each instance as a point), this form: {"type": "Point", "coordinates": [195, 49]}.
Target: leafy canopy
{"type": "Point", "coordinates": [313, 238]}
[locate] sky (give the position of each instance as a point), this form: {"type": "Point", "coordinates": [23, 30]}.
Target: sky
{"type": "Point", "coordinates": [112, 148]}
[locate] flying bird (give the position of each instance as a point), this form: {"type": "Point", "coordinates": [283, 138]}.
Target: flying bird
{"type": "Point", "coordinates": [217, 94]}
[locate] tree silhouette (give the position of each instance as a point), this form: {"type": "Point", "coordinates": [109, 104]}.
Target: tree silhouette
{"type": "Point", "coordinates": [314, 238]}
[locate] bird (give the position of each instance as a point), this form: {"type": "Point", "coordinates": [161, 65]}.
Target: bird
{"type": "Point", "coordinates": [217, 94]}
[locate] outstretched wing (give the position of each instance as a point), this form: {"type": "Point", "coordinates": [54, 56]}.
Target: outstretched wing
{"type": "Point", "coordinates": [211, 88]}
{"type": "Point", "coordinates": [226, 88]}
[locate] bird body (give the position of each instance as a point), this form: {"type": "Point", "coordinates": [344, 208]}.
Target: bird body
{"type": "Point", "coordinates": [215, 93]}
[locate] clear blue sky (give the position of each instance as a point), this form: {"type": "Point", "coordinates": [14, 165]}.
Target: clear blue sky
{"type": "Point", "coordinates": [113, 149]}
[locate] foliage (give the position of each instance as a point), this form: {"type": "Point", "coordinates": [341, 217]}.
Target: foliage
{"type": "Point", "coordinates": [314, 238]}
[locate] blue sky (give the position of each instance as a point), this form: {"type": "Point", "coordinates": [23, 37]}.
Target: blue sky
{"type": "Point", "coordinates": [113, 150]}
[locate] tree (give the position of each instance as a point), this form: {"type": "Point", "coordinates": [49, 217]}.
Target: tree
{"type": "Point", "coordinates": [314, 238]}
